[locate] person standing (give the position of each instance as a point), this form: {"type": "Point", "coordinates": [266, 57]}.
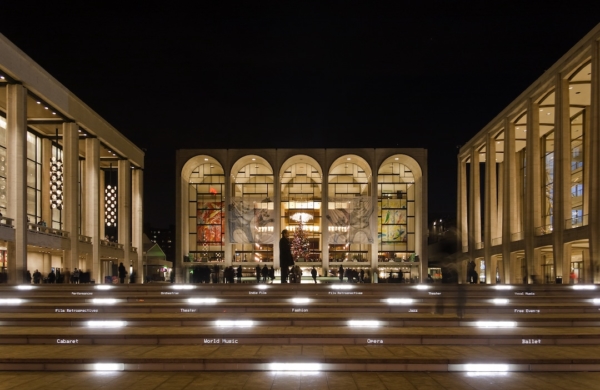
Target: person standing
{"type": "Point", "coordinates": [341, 273]}
{"type": "Point", "coordinates": [257, 270]}
{"type": "Point", "coordinates": [239, 274]}
{"type": "Point", "coordinates": [37, 277]}
{"type": "Point", "coordinates": [286, 259]}
{"type": "Point", "coordinates": [264, 273]}
{"type": "Point", "coordinates": [122, 273]}
{"type": "Point", "coordinates": [313, 273]}
{"type": "Point", "coordinates": [75, 276]}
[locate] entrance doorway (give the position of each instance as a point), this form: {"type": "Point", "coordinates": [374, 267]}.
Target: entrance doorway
{"type": "Point", "coordinates": [109, 272]}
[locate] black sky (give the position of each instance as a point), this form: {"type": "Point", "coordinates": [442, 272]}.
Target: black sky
{"type": "Point", "coordinates": [296, 74]}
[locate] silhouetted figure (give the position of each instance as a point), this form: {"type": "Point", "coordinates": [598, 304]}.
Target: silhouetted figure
{"type": "Point", "coordinates": [313, 273]}
{"type": "Point", "coordinates": [122, 273]}
{"type": "Point", "coordinates": [286, 260]}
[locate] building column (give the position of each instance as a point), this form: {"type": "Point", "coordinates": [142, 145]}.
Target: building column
{"type": "Point", "coordinates": [491, 209]}
{"type": "Point", "coordinates": [474, 203]}
{"type": "Point", "coordinates": [461, 218]}
{"type": "Point", "coordinates": [594, 166]}
{"type": "Point", "coordinates": [509, 195]}
{"type": "Point", "coordinates": [71, 192]}
{"type": "Point", "coordinates": [16, 178]}
{"type": "Point", "coordinates": [124, 208]}
{"type": "Point", "coordinates": [137, 222]}
{"type": "Point", "coordinates": [91, 203]}
{"type": "Point", "coordinates": [325, 226]}
{"type": "Point", "coordinates": [532, 212]}
{"type": "Point", "coordinates": [562, 177]}
{"type": "Point", "coordinates": [228, 252]}
{"type": "Point", "coordinates": [277, 211]}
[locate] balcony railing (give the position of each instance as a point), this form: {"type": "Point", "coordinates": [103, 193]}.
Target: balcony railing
{"type": "Point", "coordinates": [575, 222]}
{"type": "Point", "coordinates": [111, 244]}
{"type": "Point", "coordinates": [465, 248]}
{"type": "Point", "coordinates": [496, 241]}
{"type": "Point", "coordinates": [518, 236]}
{"type": "Point", "coordinates": [85, 239]}
{"type": "Point", "coordinates": [48, 230]}
{"type": "Point", "coordinates": [6, 221]}
{"type": "Point", "coordinates": [479, 245]}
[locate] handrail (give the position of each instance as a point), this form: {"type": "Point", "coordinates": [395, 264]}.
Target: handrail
{"type": "Point", "coordinates": [543, 230]}
{"type": "Point", "coordinates": [517, 236]}
{"type": "Point", "coordinates": [83, 238]}
{"type": "Point", "coordinates": [577, 221]}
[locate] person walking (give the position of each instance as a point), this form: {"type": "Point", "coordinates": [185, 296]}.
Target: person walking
{"type": "Point", "coordinates": [313, 273]}
{"type": "Point", "coordinates": [239, 274]}
{"type": "Point", "coordinates": [257, 269]}
{"type": "Point", "coordinates": [341, 273]}
{"type": "Point", "coordinates": [286, 259]}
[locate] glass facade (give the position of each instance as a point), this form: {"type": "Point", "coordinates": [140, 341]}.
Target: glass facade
{"type": "Point", "coordinates": [206, 213]}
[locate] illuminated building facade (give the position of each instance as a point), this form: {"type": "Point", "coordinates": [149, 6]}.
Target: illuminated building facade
{"type": "Point", "coordinates": [359, 208]}
{"type": "Point", "coordinates": [70, 184]}
{"type": "Point", "coordinates": [528, 207]}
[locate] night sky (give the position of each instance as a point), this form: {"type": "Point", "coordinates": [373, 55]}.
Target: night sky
{"type": "Point", "coordinates": [296, 75]}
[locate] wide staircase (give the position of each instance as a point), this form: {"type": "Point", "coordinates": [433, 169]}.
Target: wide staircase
{"type": "Point", "coordinates": [308, 327]}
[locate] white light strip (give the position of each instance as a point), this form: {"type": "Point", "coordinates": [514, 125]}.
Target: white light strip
{"type": "Point", "coordinates": [103, 287]}
{"type": "Point", "coordinates": [486, 367]}
{"type": "Point", "coordinates": [496, 324]}
{"type": "Point", "coordinates": [422, 287]}
{"type": "Point", "coordinates": [109, 366]}
{"type": "Point", "coordinates": [500, 301]}
{"type": "Point", "coordinates": [400, 301]}
{"type": "Point", "coordinates": [11, 301]}
{"type": "Point", "coordinates": [25, 287]}
{"type": "Point", "coordinates": [106, 324]}
{"type": "Point", "coordinates": [341, 287]}
{"type": "Point", "coordinates": [364, 323]}
{"type": "Point", "coordinates": [202, 300]}
{"type": "Point", "coordinates": [183, 287]}
{"type": "Point", "coordinates": [596, 300]}
{"type": "Point", "coordinates": [486, 373]}
{"type": "Point", "coordinates": [503, 287]}
{"type": "Point", "coordinates": [295, 366]}
{"type": "Point", "coordinates": [584, 287]}
{"type": "Point", "coordinates": [300, 300]}
{"type": "Point", "coordinates": [262, 287]}
{"type": "Point", "coordinates": [236, 324]}
{"type": "Point", "coordinates": [100, 301]}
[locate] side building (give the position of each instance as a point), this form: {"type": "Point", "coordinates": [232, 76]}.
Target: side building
{"type": "Point", "coordinates": [356, 208]}
{"type": "Point", "coordinates": [528, 207]}
{"type": "Point", "coordinates": [71, 185]}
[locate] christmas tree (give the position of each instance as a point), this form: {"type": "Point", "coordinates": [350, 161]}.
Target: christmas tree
{"type": "Point", "coordinates": [300, 243]}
